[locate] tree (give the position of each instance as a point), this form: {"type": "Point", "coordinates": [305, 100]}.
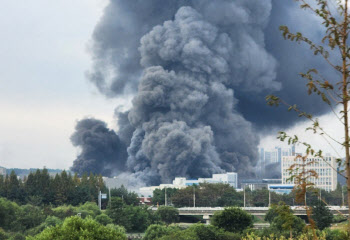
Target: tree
{"type": "Point", "coordinates": [129, 198]}
{"type": "Point", "coordinates": [282, 219]}
{"type": "Point", "coordinates": [116, 212]}
{"type": "Point", "coordinates": [139, 218]}
{"type": "Point", "coordinates": [156, 231]}
{"type": "Point", "coordinates": [8, 213]}
{"type": "Point", "coordinates": [168, 214]}
{"type": "Point", "coordinates": [159, 196]}
{"type": "Point", "coordinates": [29, 216]}
{"type": "Point", "coordinates": [232, 219]}
{"type": "Point", "coordinates": [78, 228]}
{"type": "Point", "coordinates": [103, 219]}
{"type": "Point", "coordinates": [334, 49]}
{"type": "Point", "coordinates": [322, 216]}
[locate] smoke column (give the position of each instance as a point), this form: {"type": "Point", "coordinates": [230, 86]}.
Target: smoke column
{"type": "Point", "coordinates": [102, 151]}
{"type": "Point", "coordinates": [199, 72]}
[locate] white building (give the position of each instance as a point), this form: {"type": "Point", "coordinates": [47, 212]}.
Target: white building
{"type": "Point", "coordinates": [181, 182]}
{"type": "Point", "coordinates": [327, 176]}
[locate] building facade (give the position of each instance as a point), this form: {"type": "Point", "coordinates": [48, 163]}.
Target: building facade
{"type": "Point", "coordinates": [327, 176]}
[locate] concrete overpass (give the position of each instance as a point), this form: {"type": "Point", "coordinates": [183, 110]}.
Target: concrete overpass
{"type": "Point", "coordinates": [206, 212]}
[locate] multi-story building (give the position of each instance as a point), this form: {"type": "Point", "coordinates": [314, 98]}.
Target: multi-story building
{"type": "Point", "coordinates": [327, 176]}
{"type": "Point", "coordinates": [272, 156]}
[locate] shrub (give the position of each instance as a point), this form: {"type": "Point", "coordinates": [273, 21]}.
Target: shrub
{"type": "Point", "coordinates": [103, 219]}
{"type": "Point", "coordinates": [156, 231]}
{"type": "Point", "coordinates": [232, 219]}
{"type": "Point", "coordinates": [78, 228]}
{"type": "Point", "coordinates": [168, 214]}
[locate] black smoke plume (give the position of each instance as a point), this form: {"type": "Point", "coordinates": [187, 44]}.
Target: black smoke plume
{"type": "Point", "coordinates": [101, 149]}
{"type": "Point", "coordinates": [199, 72]}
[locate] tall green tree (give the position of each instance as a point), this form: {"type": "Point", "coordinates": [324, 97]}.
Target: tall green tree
{"type": "Point", "coordinates": [322, 216]}
{"type": "Point", "coordinates": [334, 49]}
{"type": "Point", "coordinates": [168, 214]}
{"type": "Point", "coordinates": [232, 219]}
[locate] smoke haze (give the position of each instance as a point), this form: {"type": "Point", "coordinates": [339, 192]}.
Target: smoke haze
{"type": "Point", "coordinates": [199, 72]}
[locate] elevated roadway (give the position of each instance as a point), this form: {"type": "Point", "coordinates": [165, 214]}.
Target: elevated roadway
{"type": "Point", "coordinates": [207, 212]}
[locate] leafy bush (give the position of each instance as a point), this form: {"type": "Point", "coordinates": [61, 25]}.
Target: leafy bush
{"type": "Point", "coordinates": [30, 216]}
{"type": "Point", "coordinates": [88, 209]}
{"type": "Point", "coordinates": [157, 231]}
{"type": "Point", "coordinates": [168, 214]}
{"type": "Point", "coordinates": [3, 234]}
{"type": "Point", "coordinates": [103, 219]}
{"type": "Point", "coordinates": [64, 211]}
{"type": "Point", "coordinates": [232, 219]}
{"type": "Point", "coordinates": [78, 228]}
{"type": "Point", "coordinates": [8, 213]}
{"type": "Point", "coordinates": [52, 221]}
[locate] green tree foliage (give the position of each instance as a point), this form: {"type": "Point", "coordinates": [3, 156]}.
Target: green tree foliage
{"type": "Point", "coordinates": [78, 228]}
{"type": "Point", "coordinates": [129, 198]}
{"type": "Point", "coordinates": [283, 221]}
{"type": "Point", "coordinates": [157, 231]}
{"type": "Point", "coordinates": [159, 196]}
{"type": "Point", "coordinates": [52, 221]}
{"type": "Point", "coordinates": [88, 209]}
{"type": "Point", "coordinates": [103, 219]}
{"type": "Point", "coordinates": [116, 212]}
{"type": "Point", "coordinates": [207, 195]}
{"type": "Point", "coordinates": [133, 218]}
{"type": "Point", "coordinates": [139, 218]}
{"type": "Point", "coordinates": [322, 216]}
{"type": "Point", "coordinates": [29, 216]}
{"type": "Point", "coordinates": [232, 219]}
{"type": "Point", "coordinates": [41, 189]}
{"type": "Point", "coordinates": [8, 213]}
{"type": "Point", "coordinates": [168, 214]}
{"type": "Point", "coordinates": [194, 232]}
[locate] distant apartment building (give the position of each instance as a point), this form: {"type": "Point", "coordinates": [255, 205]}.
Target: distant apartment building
{"type": "Point", "coordinates": [2, 171]}
{"type": "Point", "coordinates": [327, 176]}
{"type": "Point", "coordinates": [271, 156]}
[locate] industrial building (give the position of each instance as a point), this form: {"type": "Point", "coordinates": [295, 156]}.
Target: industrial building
{"type": "Point", "coordinates": [181, 182]}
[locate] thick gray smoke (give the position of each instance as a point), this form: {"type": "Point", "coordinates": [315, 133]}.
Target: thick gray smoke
{"type": "Point", "coordinates": [101, 149]}
{"type": "Point", "coordinates": [199, 71]}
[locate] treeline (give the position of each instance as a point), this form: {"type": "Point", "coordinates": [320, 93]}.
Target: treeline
{"type": "Point", "coordinates": [222, 195]}
{"type": "Point", "coordinates": [20, 221]}
{"type": "Point", "coordinates": [40, 189]}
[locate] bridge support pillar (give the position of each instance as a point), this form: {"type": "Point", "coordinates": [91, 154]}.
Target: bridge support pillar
{"type": "Point", "coordinates": [207, 219]}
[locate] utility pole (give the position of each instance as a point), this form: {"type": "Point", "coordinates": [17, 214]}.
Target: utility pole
{"type": "Point", "coordinates": [110, 197]}
{"type": "Point", "coordinates": [269, 198]}
{"type": "Point", "coordinates": [244, 196]}
{"type": "Point", "coordinates": [99, 199]}
{"type": "Point", "coordinates": [194, 197]}
{"type": "Point", "coordinates": [165, 202]}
